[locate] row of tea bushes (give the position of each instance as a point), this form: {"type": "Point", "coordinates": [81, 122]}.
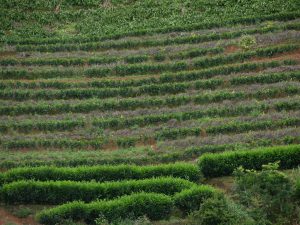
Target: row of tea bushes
{"type": "Point", "coordinates": [216, 165]}
{"type": "Point", "coordinates": [119, 123]}
{"type": "Point", "coordinates": [195, 75]}
{"type": "Point", "coordinates": [130, 44]}
{"type": "Point", "coordinates": [149, 89]}
{"type": "Point", "coordinates": [132, 141]}
{"type": "Point", "coordinates": [102, 173]}
{"type": "Point", "coordinates": [154, 206]}
{"type": "Point", "coordinates": [76, 61]}
{"type": "Point", "coordinates": [56, 192]}
{"type": "Point", "coordinates": [56, 107]}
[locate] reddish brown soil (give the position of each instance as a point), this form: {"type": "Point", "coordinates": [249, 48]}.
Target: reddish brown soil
{"type": "Point", "coordinates": [231, 49]}
{"type": "Point", "coordinates": [7, 218]}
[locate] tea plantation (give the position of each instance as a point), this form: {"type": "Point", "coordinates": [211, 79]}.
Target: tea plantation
{"type": "Point", "coordinates": [124, 111]}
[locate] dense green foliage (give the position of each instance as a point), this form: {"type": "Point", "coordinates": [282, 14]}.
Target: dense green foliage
{"type": "Point", "coordinates": [214, 165]}
{"type": "Point", "coordinates": [191, 199]}
{"type": "Point", "coordinates": [55, 192]}
{"type": "Point", "coordinates": [154, 206]}
{"type": "Point", "coordinates": [268, 195]}
{"type": "Point", "coordinates": [118, 18]}
{"type": "Point", "coordinates": [102, 173]}
{"type": "Point", "coordinates": [219, 210]}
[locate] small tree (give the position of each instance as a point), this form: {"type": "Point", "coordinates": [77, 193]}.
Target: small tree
{"type": "Point", "coordinates": [219, 210]}
{"type": "Point", "coordinates": [267, 195]}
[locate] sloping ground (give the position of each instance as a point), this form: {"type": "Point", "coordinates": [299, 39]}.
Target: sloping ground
{"type": "Point", "coordinates": [143, 82]}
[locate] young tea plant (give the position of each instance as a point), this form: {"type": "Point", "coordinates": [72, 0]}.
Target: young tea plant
{"type": "Point", "coordinates": [247, 42]}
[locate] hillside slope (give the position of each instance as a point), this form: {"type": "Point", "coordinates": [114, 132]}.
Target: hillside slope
{"type": "Point", "coordinates": [89, 83]}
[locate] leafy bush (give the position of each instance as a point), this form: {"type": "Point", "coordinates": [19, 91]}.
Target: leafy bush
{"type": "Point", "coordinates": [191, 199]}
{"type": "Point", "coordinates": [247, 42]}
{"type": "Point", "coordinates": [219, 210]}
{"type": "Point", "coordinates": [268, 195]}
{"type": "Point", "coordinates": [214, 165]}
{"type": "Point", "coordinates": [55, 192]}
{"type": "Point", "coordinates": [154, 206]}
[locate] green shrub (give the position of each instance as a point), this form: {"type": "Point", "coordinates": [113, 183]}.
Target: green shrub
{"type": "Point", "coordinates": [219, 210]}
{"type": "Point", "coordinates": [191, 199]}
{"type": "Point", "coordinates": [247, 42]}
{"type": "Point", "coordinates": [215, 165]}
{"type": "Point", "coordinates": [154, 206]}
{"type": "Point", "coordinates": [102, 173]}
{"type": "Point", "coordinates": [55, 192]}
{"type": "Point", "coordinates": [136, 58]}
{"type": "Point", "coordinates": [267, 194]}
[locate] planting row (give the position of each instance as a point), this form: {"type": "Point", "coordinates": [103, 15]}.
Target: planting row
{"type": "Point", "coordinates": [145, 155]}
{"type": "Point", "coordinates": [56, 192]}
{"type": "Point", "coordinates": [282, 16]}
{"type": "Point", "coordinates": [119, 123]}
{"type": "Point", "coordinates": [170, 134]}
{"type": "Point", "coordinates": [154, 206]}
{"type": "Point", "coordinates": [191, 53]}
{"type": "Point", "coordinates": [142, 69]}
{"type": "Point", "coordinates": [232, 127]}
{"type": "Point", "coordinates": [130, 44]}
{"type": "Point", "coordinates": [222, 164]}
{"type": "Point", "coordinates": [85, 106]}
{"type": "Point", "coordinates": [202, 62]}
{"type": "Point", "coordinates": [164, 78]}
{"type": "Point", "coordinates": [102, 173]}
{"type": "Point", "coordinates": [152, 89]}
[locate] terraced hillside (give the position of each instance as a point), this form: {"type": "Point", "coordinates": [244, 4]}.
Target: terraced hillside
{"type": "Point", "coordinates": [142, 82]}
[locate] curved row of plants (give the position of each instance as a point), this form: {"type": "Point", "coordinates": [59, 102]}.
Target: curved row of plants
{"type": "Point", "coordinates": [102, 173]}
{"type": "Point", "coordinates": [154, 206]}
{"type": "Point", "coordinates": [147, 68]}
{"type": "Point", "coordinates": [164, 78]}
{"type": "Point", "coordinates": [57, 192]}
{"type": "Point", "coordinates": [75, 61]}
{"type": "Point", "coordinates": [84, 106]}
{"type": "Point", "coordinates": [152, 89]}
{"type": "Point", "coordinates": [119, 123]}
{"type": "Point", "coordinates": [129, 44]}
{"type": "Point", "coordinates": [130, 141]}
{"type": "Point", "coordinates": [72, 158]}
